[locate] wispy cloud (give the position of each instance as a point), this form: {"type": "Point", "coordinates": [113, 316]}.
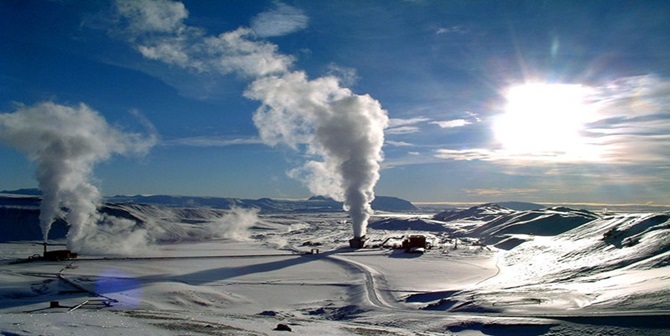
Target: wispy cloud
{"type": "Point", "coordinates": [403, 130]}
{"type": "Point", "coordinates": [480, 154]}
{"type": "Point", "coordinates": [157, 30]}
{"type": "Point", "coordinates": [451, 30]}
{"type": "Point", "coordinates": [405, 126]}
{"type": "Point", "coordinates": [523, 158]}
{"type": "Point", "coordinates": [630, 124]}
{"type": "Point", "coordinates": [348, 76]}
{"type": "Point", "coordinates": [452, 123]}
{"type": "Point", "coordinates": [469, 118]}
{"type": "Point", "coordinates": [153, 16]}
{"type": "Point", "coordinates": [397, 143]}
{"type": "Point", "coordinates": [502, 192]}
{"type": "Point", "coordinates": [281, 20]}
{"type": "Point", "coordinates": [409, 158]}
{"type": "Point", "coordinates": [212, 141]}
{"type": "Point", "coordinates": [396, 122]}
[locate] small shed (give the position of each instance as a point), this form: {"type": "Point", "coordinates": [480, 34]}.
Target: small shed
{"type": "Point", "coordinates": [414, 242]}
{"type": "Point", "coordinates": [59, 255]}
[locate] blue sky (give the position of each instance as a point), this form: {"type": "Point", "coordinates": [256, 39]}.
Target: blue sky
{"type": "Point", "coordinates": [545, 101]}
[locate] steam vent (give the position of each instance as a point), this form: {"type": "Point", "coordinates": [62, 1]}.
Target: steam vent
{"type": "Point", "coordinates": [357, 242]}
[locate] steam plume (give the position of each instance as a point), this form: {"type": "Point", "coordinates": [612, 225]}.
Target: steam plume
{"type": "Point", "coordinates": [66, 142]}
{"type": "Point", "coordinates": [345, 130]}
{"type": "Point", "coordinates": [235, 224]}
{"type": "Point", "coordinates": [341, 131]}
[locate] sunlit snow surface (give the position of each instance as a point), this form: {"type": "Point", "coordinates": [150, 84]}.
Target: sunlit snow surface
{"type": "Point", "coordinates": [495, 272]}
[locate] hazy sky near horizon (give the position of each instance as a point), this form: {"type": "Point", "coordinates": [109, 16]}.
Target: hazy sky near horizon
{"type": "Point", "coordinates": [544, 101]}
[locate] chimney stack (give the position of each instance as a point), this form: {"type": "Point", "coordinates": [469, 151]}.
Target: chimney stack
{"type": "Point", "coordinates": [357, 242]}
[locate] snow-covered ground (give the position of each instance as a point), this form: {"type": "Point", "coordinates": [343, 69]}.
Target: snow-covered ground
{"type": "Point", "coordinates": [495, 271]}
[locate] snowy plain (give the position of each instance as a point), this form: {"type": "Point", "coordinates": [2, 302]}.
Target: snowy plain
{"type": "Point", "coordinates": [494, 271]}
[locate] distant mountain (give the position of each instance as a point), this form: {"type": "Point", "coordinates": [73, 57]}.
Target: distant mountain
{"type": "Point", "coordinates": [20, 222]}
{"type": "Point", "coordinates": [386, 203]}
{"type": "Point", "coordinates": [19, 219]}
{"type": "Point", "coordinates": [178, 201]}
{"type": "Point", "coordinates": [266, 205]}
{"type": "Point", "coordinates": [26, 191]}
{"type": "Point", "coordinates": [19, 211]}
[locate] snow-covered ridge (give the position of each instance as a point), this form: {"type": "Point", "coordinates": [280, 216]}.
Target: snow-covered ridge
{"type": "Point", "coordinates": [165, 218]}
{"type": "Point", "coordinates": [494, 224]}
{"type": "Point", "coordinates": [265, 205]}
{"type": "Point", "coordinates": [19, 220]}
{"type": "Point", "coordinates": [558, 258]}
{"type": "Point", "coordinates": [553, 261]}
{"type": "Point", "coordinates": [614, 262]}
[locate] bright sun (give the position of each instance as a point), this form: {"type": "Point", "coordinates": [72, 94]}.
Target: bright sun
{"type": "Point", "coordinates": [544, 120]}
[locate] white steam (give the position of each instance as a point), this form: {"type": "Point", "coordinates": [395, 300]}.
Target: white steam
{"type": "Point", "coordinates": [235, 224]}
{"type": "Point", "coordinates": [344, 130]}
{"type": "Point", "coordinates": [341, 131]}
{"type": "Point", "coordinates": [113, 235]}
{"type": "Point", "coordinates": [66, 142]}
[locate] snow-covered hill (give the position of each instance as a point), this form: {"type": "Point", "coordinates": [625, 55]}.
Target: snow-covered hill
{"type": "Point", "coordinates": [165, 218]}
{"type": "Point", "coordinates": [554, 271]}
{"type": "Point", "coordinates": [266, 205]}
{"type": "Point", "coordinates": [494, 224]}
{"type": "Point", "coordinates": [618, 262]}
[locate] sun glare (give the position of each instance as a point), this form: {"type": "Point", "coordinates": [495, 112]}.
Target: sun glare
{"type": "Point", "coordinates": [544, 120]}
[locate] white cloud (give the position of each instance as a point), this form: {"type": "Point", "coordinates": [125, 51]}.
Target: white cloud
{"type": "Point", "coordinates": [212, 141]}
{"type": "Point", "coordinates": [153, 16]}
{"type": "Point", "coordinates": [397, 143]}
{"type": "Point", "coordinates": [156, 29]}
{"type": "Point", "coordinates": [451, 30]}
{"type": "Point", "coordinates": [452, 123]}
{"type": "Point", "coordinates": [506, 192]}
{"type": "Point", "coordinates": [404, 126]}
{"type": "Point", "coordinates": [235, 51]}
{"type": "Point", "coordinates": [632, 122]}
{"type": "Point", "coordinates": [634, 96]}
{"type": "Point", "coordinates": [280, 21]}
{"type": "Point", "coordinates": [347, 76]}
{"type": "Point", "coordinates": [396, 122]}
{"type": "Point", "coordinates": [403, 130]}
{"type": "Point", "coordinates": [466, 154]}
{"type": "Point", "coordinates": [171, 53]}
{"type": "Point", "coordinates": [517, 157]}
{"type": "Point", "coordinates": [468, 118]}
